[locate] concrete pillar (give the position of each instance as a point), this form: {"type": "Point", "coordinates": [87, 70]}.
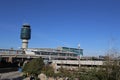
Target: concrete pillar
{"type": "Point", "coordinates": [24, 44]}
{"type": "Point", "coordinates": [10, 59]}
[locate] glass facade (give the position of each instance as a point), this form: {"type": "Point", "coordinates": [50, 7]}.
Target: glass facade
{"type": "Point", "coordinates": [75, 50]}
{"type": "Point", "coordinates": [25, 33]}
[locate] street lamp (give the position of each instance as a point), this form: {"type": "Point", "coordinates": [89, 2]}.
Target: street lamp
{"type": "Point", "coordinates": [79, 54]}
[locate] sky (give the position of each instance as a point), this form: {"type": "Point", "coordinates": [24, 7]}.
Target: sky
{"type": "Point", "coordinates": [94, 24]}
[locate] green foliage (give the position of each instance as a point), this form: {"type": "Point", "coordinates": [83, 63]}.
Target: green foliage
{"type": "Point", "coordinates": [64, 72]}
{"type": "Point", "coordinates": [48, 70]}
{"type": "Point", "coordinates": [88, 75]}
{"type": "Point", "coordinates": [101, 74]}
{"type": "Point", "coordinates": [110, 71]}
{"type": "Point", "coordinates": [34, 66]}
{"type": "Point", "coordinates": [114, 71]}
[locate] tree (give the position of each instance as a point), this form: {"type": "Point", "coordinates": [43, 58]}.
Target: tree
{"type": "Point", "coordinates": [34, 66]}
{"type": "Point", "coordinates": [112, 66]}
{"type": "Point", "coordinates": [48, 70]}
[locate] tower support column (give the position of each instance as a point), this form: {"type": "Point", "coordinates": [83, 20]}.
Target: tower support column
{"type": "Point", "coordinates": [24, 44]}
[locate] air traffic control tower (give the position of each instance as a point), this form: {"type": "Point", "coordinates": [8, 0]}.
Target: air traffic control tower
{"type": "Point", "coordinates": [25, 35]}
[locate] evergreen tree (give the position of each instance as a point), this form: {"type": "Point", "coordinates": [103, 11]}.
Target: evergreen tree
{"type": "Point", "coordinates": [34, 66]}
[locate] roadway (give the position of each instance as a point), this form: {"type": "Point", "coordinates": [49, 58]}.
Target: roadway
{"type": "Point", "coordinates": [11, 76]}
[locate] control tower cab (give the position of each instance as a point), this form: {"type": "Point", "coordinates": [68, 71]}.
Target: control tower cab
{"type": "Point", "coordinates": [25, 35]}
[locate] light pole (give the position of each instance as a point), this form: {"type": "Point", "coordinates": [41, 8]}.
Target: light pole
{"type": "Point", "coordinates": [79, 55]}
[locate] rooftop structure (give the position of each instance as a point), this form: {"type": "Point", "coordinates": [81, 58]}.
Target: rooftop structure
{"type": "Point", "coordinates": [77, 51]}
{"type": "Point", "coordinates": [58, 53]}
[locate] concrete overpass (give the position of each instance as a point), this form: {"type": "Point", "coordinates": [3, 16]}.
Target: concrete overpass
{"type": "Point", "coordinates": [56, 60]}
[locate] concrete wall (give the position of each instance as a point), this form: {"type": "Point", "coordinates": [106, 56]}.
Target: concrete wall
{"type": "Point", "coordinates": [65, 63]}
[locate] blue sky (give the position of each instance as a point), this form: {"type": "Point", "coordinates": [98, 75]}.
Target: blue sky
{"type": "Point", "coordinates": [95, 24]}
